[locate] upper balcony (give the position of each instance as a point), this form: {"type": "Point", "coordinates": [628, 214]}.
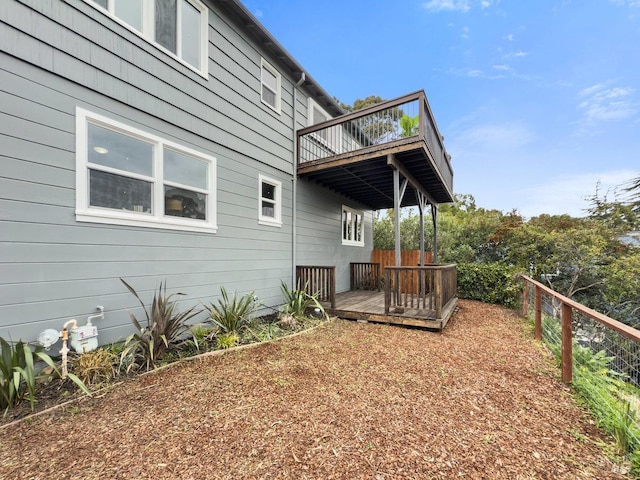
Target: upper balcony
{"type": "Point", "coordinates": [354, 154]}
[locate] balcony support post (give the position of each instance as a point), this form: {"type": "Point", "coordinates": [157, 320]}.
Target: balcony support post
{"type": "Point", "coordinates": [434, 219]}
{"type": "Point", "coordinates": [398, 193]}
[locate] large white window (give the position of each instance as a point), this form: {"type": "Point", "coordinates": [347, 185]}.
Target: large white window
{"type": "Point", "coordinates": [129, 177]}
{"type": "Point", "coordinates": [269, 201]}
{"type": "Point", "coordinates": [270, 80]}
{"type": "Point", "coordinates": [177, 26]}
{"type": "Point", "coordinates": [329, 138]}
{"type": "Point", "coordinates": [352, 227]}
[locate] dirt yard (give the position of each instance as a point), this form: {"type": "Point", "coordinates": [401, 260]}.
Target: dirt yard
{"type": "Point", "coordinates": [349, 400]}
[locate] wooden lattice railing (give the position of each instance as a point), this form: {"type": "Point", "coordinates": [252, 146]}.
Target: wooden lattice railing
{"type": "Point", "coordinates": [421, 288]}
{"type": "Point", "coordinates": [319, 281]}
{"type": "Point", "coordinates": [365, 276]}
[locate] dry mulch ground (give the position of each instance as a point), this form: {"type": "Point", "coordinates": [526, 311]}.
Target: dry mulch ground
{"type": "Point", "coordinates": [346, 401]}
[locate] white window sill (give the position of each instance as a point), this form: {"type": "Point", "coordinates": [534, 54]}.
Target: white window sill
{"type": "Point", "coordinates": [270, 222]}
{"type": "Point", "coordinates": [351, 243]}
{"type": "Point", "coordinates": [133, 220]}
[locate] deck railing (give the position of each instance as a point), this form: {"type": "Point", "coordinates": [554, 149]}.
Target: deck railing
{"type": "Point", "coordinates": [399, 121]}
{"type": "Point", "coordinates": [319, 281]}
{"type": "Point", "coordinates": [421, 288]}
{"type": "Point", "coordinates": [364, 276]}
{"type": "Point", "coordinates": [598, 354]}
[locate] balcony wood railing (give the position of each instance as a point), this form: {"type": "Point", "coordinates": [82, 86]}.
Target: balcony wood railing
{"type": "Point", "coordinates": [419, 288]}
{"type": "Point", "coordinates": [389, 124]}
{"type": "Point", "coordinates": [319, 281]}
{"type": "Point", "coordinates": [364, 276]}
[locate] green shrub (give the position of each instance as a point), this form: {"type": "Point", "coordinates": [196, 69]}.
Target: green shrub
{"type": "Point", "coordinates": [165, 328]}
{"type": "Point", "coordinates": [232, 314]}
{"type": "Point", "coordinates": [298, 301]}
{"type": "Point", "coordinates": [603, 390]}
{"type": "Point", "coordinates": [489, 283]}
{"type": "Point", "coordinates": [18, 375]}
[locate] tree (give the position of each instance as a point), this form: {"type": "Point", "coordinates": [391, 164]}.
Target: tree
{"type": "Point", "coordinates": [633, 188]}
{"type": "Point", "coordinates": [622, 217]}
{"type": "Point", "coordinates": [376, 127]}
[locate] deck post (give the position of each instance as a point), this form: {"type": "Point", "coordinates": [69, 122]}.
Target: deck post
{"type": "Point", "coordinates": [434, 218]}
{"type": "Point", "coordinates": [438, 292]}
{"type": "Point", "coordinates": [398, 193]}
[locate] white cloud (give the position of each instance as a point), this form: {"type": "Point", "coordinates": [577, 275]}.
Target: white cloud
{"type": "Point", "coordinates": [259, 14]}
{"type": "Point", "coordinates": [509, 37]}
{"type": "Point", "coordinates": [486, 137]}
{"type": "Point", "coordinates": [512, 55]}
{"type": "Point", "coordinates": [568, 193]}
{"type": "Point", "coordinates": [602, 104]}
{"type": "Point", "coordinates": [628, 3]}
{"type": "Point", "coordinates": [457, 5]}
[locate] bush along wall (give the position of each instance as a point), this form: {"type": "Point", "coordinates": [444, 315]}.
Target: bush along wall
{"type": "Point", "coordinates": [489, 283]}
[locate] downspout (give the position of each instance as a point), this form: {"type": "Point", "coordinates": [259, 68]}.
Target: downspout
{"type": "Point", "coordinates": [294, 189]}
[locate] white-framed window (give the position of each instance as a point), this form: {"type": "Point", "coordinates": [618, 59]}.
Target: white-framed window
{"type": "Point", "coordinates": [352, 227]}
{"type": "Point", "coordinates": [331, 137]}
{"type": "Point", "coordinates": [270, 85]}
{"type": "Point", "coordinates": [126, 176]}
{"type": "Point", "coordinates": [269, 201]}
{"type": "Point", "coordinates": [179, 27]}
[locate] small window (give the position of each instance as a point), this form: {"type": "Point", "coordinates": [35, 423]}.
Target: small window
{"type": "Point", "coordinates": [352, 227]}
{"type": "Point", "coordinates": [129, 177]}
{"type": "Point", "coordinates": [177, 26]}
{"type": "Point", "coordinates": [328, 138]}
{"type": "Point", "coordinates": [270, 81]}
{"type": "Point", "coordinates": [269, 201]}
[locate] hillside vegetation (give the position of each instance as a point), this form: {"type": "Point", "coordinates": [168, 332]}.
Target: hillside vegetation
{"type": "Point", "coordinates": [585, 259]}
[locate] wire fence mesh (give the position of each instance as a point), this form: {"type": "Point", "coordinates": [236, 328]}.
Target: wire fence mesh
{"type": "Point", "coordinates": [605, 365]}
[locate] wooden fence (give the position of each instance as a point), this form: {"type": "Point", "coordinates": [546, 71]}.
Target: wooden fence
{"type": "Point", "coordinates": [569, 310]}
{"type": "Point", "coordinates": [409, 258]}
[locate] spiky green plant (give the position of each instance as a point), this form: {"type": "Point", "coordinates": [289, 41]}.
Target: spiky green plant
{"type": "Point", "coordinates": [18, 374]}
{"type": "Point", "coordinates": [298, 301]}
{"type": "Point", "coordinates": [164, 329]}
{"type": "Point", "coordinates": [232, 314]}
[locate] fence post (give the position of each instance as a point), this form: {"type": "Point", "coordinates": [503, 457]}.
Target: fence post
{"type": "Point", "coordinates": [538, 314]}
{"type": "Point", "coordinates": [567, 353]}
{"type": "Point", "coordinates": [525, 298]}
{"type": "Point", "coordinates": [387, 290]}
{"type": "Point", "coordinates": [438, 291]}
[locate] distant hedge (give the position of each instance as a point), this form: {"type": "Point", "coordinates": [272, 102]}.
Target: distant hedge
{"type": "Point", "coordinates": [489, 283]}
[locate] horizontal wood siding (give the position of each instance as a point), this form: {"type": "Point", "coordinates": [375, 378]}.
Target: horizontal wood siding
{"type": "Point", "coordinates": [55, 56]}
{"type": "Point", "coordinates": [319, 232]}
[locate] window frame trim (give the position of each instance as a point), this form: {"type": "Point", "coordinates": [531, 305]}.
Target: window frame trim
{"type": "Point", "coordinates": [148, 33]}
{"type": "Point", "coordinates": [335, 149]}
{"type": "Point", "coordinates": [85, 213]}
{"type": "Point", "coordinates": [276, 220]}
{"type": "Point", "coordinates": [348, 242]}
{"type": "Point", "coordinates": [278, 94]}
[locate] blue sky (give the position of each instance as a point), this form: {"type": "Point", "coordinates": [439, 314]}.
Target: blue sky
{"type": "Point", "coordinates": [538, 100]}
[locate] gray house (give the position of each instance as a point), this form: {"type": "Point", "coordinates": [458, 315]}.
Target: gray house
{"type": "Point", "coordinates": [165, 140]}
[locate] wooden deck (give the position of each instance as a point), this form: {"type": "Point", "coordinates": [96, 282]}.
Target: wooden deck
{"type": "Point", "coordinates": [369, 305]}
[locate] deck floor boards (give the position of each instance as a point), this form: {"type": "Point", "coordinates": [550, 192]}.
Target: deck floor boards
{"type": "Point", "coordinates": [369, 305]}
